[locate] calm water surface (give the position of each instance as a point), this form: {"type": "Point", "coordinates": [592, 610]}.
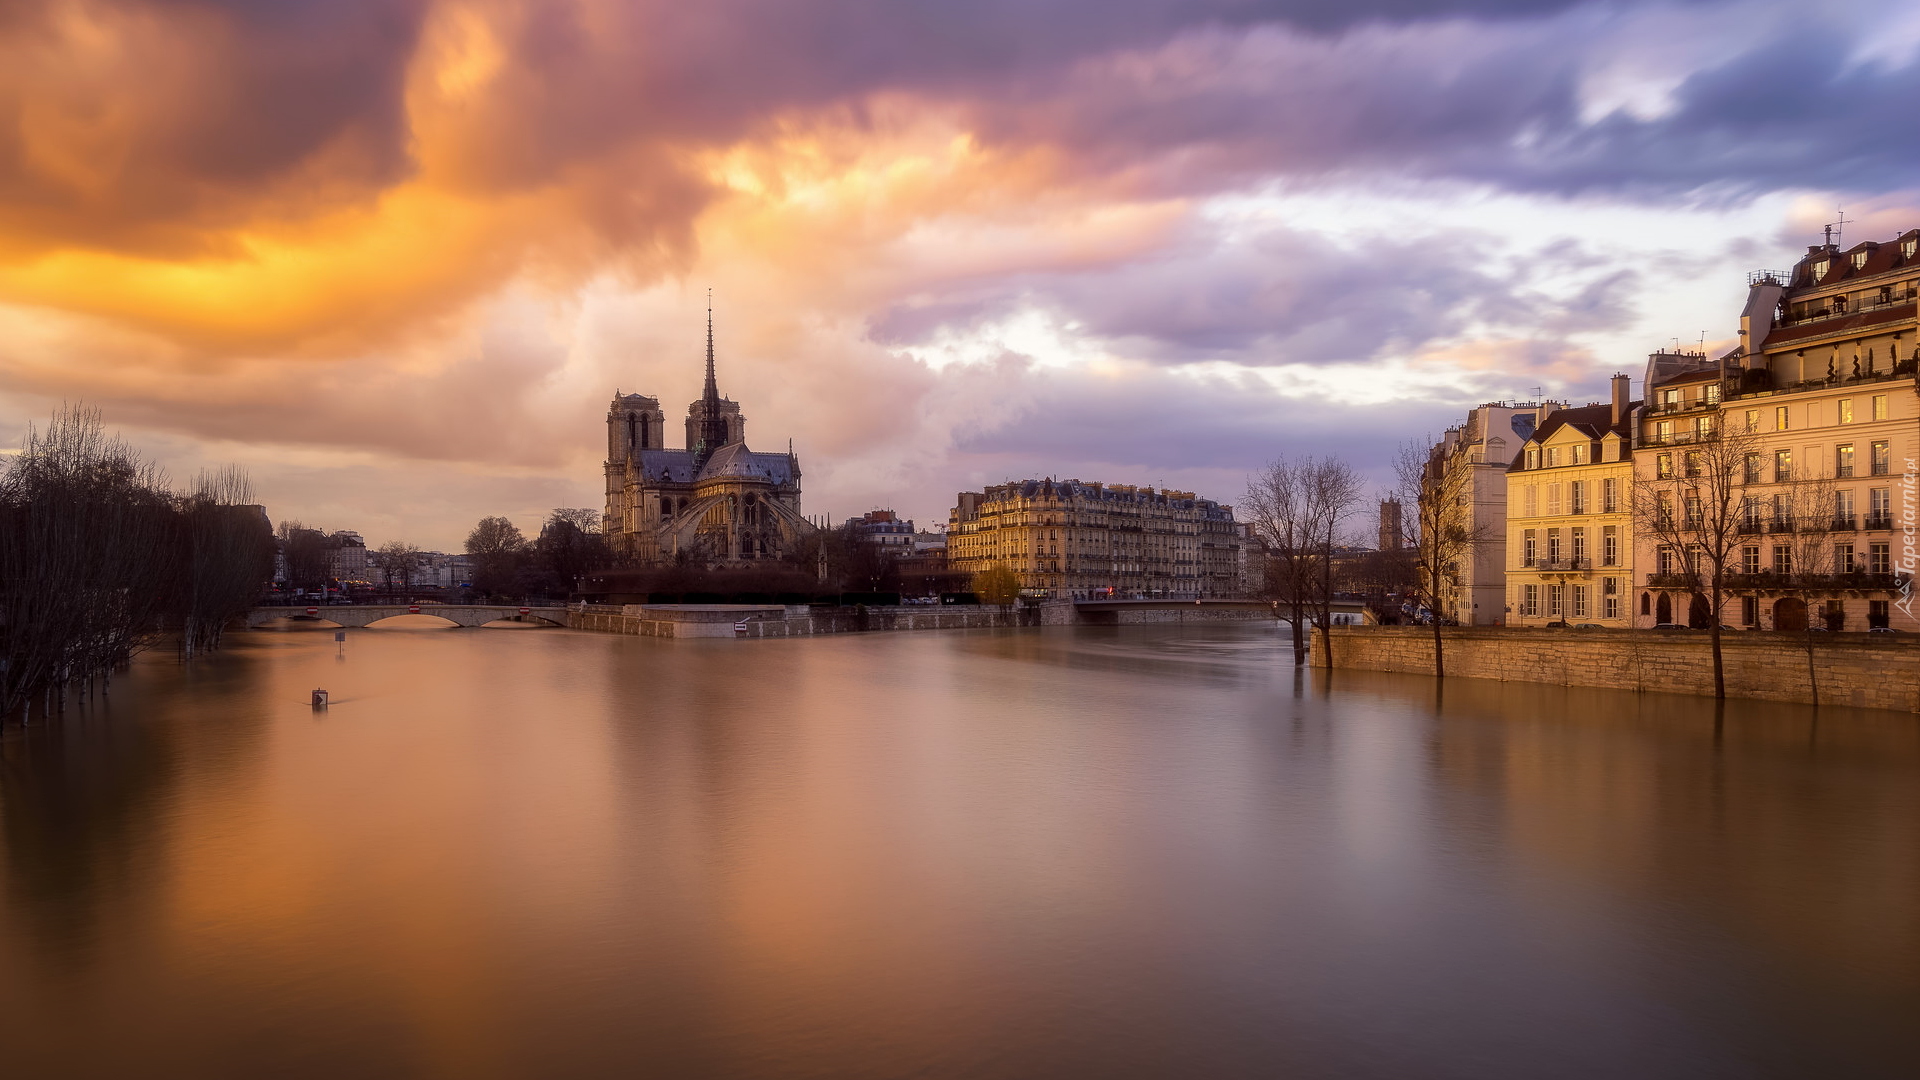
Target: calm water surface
{"type": "Point", "coordinates": [1120, 852]}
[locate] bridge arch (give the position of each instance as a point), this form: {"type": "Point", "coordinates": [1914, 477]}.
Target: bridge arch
{"type": "Point", "coordinates": [413, 622]}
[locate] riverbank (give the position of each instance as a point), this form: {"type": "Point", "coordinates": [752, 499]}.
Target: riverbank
{"type": "Point", "coordinates": [1862, 670]}
{"type": "Point", "coordinates": [802, 620]}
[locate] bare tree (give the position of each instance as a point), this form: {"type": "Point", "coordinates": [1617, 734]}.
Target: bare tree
{"type": "Point", "coordinates": [98, 556]}
{"type": "Point", "coordinates": [495, 545]}
{"type": "Point", "coordinates": [1439, 485]}
{"type": "Point", "coordinates": [397, 559]}
{"type": "Point", "coordinates": [1276, 507]}
{"type": "Point", "coordinates": [569, 545]}
{"type": "Point", "coordinates": [1803, 521]}
{"type": "Point", "coordinates": [1332, 492]}
{"type": "Point", "coordinates": [1694, 511]}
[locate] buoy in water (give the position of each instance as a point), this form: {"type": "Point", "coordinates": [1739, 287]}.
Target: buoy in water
{"type": "Point", "coordinates": [319, 699]}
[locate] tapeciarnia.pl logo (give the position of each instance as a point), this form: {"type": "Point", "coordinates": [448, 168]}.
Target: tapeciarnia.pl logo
{"type": "Point", "coordinates": [1909, 534]}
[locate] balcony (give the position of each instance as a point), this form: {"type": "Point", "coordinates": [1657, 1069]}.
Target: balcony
{"type": "Point", "coordinates": [1844, 523]}
{"type": "Point", "coordinates": [1878, 522]}
{"type": "Point", "coordinates": [1671, 581]}
{"type": "Point", "coordinates": [1843, 309]}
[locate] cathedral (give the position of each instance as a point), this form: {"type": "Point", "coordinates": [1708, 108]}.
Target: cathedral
{"type": "Point", "coordinates": [716, 502]}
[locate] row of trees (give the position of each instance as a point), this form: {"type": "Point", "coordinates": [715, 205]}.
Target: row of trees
{"type": "Point", "coordinates": [99, 555]}
{"type": "Point", "coordinates": [506, 563]}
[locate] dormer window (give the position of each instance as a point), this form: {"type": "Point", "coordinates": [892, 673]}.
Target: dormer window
{"type": "Point", "coordinates": [1819, 269]}
{"type": "Point", "coordinates": [1860, 259]}
{"type": "Point", "coordinates": [1906, 248]}
{"type": "Point", "coordinates": [1533, 457]}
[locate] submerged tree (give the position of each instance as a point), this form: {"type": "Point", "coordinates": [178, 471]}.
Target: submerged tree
{"type": "Point", "coordinates": [98, 557]}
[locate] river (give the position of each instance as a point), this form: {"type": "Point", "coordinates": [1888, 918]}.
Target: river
{"type": "Point", "coordinates": [1124, 852]}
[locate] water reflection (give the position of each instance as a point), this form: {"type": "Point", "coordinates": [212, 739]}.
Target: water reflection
{"type": "Point", "coordinates": [1117, 852]}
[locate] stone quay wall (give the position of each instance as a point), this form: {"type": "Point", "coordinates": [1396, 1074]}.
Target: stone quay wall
{"type": "Point", "coordinates": [764, 621]}
{"type": "Point", "coordinates": [1865, 670]}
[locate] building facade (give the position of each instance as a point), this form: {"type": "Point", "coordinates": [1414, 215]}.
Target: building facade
{"type": "Point", "coordinates": [1080, 540]}
{"type": "Point", "coordinates": [1570, 518]}
{"type": "Point", "coordinates": [1488, 440]}
{"type": "Point", "coordinates": [715, 503]}
{"type": "Point", "coordinates": [1823, 399]}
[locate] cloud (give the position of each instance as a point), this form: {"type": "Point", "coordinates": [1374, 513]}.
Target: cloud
{"type": "Point", "coordinates": [949, 241]}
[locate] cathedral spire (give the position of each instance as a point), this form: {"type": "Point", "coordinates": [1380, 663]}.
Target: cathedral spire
{"type": "Point", "coordinates": [713, 423]}
{"type": "Point", "coordinates": [712, 393]}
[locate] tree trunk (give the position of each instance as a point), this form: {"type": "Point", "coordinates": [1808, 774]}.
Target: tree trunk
{"type": "Point", "coordinates": [1719, 668]}
{"type": "Point", "coordinates": [1439, 662]}
{"type": "Point", "coordinates": [1813, 679]}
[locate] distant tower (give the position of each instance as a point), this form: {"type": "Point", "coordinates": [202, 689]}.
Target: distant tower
{"type": "Point", "coordinates": [1391, 538]}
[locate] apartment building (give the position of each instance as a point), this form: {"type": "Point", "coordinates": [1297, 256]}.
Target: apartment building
{"type": "Point", "coordinates": [1074, 539]}
{"type": "Point", "coordinates": [1570, 518]}
{"type": "Point", "coordinates": [1822, 398]}
{"type": "Point", "coordinates": [1491, 436]}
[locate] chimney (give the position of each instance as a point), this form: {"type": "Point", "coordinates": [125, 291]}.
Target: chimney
{"type": "Point", "coordinates": [1622, 387]}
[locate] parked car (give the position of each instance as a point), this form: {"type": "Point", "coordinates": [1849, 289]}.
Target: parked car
{"type": "Point", "coordinates": [1557, 624]}
{"type": "Point", "coordinates": [1588, 626]}
{"type": "Point", "coordinates": [1670, 626]}
{"type": "Point", "coordinates": [1883, 630]}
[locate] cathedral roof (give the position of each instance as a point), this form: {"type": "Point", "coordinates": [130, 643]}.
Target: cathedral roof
{"type": "Point", "coordinates": [735, 460]}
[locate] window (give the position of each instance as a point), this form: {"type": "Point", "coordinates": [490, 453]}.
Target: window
{"type": "Point", "coordinates": [1845, 410]}
{"type": "Point", "coordinates": [1843, 509]}
{"type": "Point", "coordinates": [1662, 432]}
{"type": "Point", "coordinates": [1532, 500]}
{"type": "Point", "coordinates": [1882, 457]}
{"type": "Point", "coordinates": [1780, 418]}
{"type": "Point", "coordinates": [1843, 460]}
{"type": "Point", "coordinates": [1693, 510]}
{"type": "Point", "coordinates": [1556, 599]}
{"type": "Point", "coordinates": [1530, 600]}
{"type": "Point", "coordinates": [1750, 611]}
{"type": "Point", "coordinates": [1750, 514]}
{"type": "Point", "coordinates": [1703, 427]}
{"type": "Point", "coordinates": [1610, 598]}
{"type": "Point", "coordinates": [1753, 466]}
{"type": "Point", "coordinates": [1553, 499]}
{"type": "Point", "coordinates": [1879, 508]}
{"type": "Point", "coordinates": [1663, 466]}
{"type": "Point", "coordinates": [1843, 560]}
{"type": "Point", "coordinates": [1579, 453]}
{"type": "Point", "coordinates": [1750, 560]}
{"type": "Point", "coordinates": [1553, 456]}
{"type": "Point", "coordinates": [1646, 603]}
{"type": "Point", "coordinates": [1782, 466]}
{"type": "Point", "coordinates": [1610, 546]}
{"type": "Point", "coordinates": [1879, 406]}
{"type": "Point", "coordinates": [1876, 613]}
{"type": "Point", "coordinates": [1553, 547]}
{"type": "Point", "coordinates": [1753, 419]}
{"type": "Point", "coordinates": [1577, 497]}
{"type": "Point", "coordinates": [1710, 394]}
{"type": "Point", "coordinates": [1610, 495]}
{"type": "Point", "coordinates": [1693, 463]}
{"type": "Point", "coordinates": [1782, 559]}
{"type": "Point", "coordinates": [1782, 513]}
{"type": "Point", "coordinates": [1663, 560]}
{"type": "Point", "coordinates": [1879, 558]}
{"type": "Point", "coordinates": [1579, 546]}
{"type": "Point", "coordinates": [1528, 548]}
{"type": "Point", "coordinates": [1533, 457]}
{"type": "Point", "coordinates": [1670, 400]}
{"type": "Point", "coordinates": [1580, 601]}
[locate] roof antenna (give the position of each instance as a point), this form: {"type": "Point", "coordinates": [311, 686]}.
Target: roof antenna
{"type": "Point", "coordinates": [1837, 231]}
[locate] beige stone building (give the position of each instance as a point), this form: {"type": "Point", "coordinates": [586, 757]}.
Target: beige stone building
{"type": "Point", "coordinates": [1066, 538]}
{"type": "Point", "coordinates": [715, 502]}
{"type": "Point", "coordinates": [1490, 438]}
{"type": "Point", "coordinates": [1823, 386]}
{"type": "Point", "coordinates": [1570, 518]}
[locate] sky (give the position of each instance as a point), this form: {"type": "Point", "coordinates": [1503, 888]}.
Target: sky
{"type": "Point", "coordinates": [395, 256]}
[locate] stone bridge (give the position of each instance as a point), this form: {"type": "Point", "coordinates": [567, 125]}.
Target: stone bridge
{"type": "Point", "coordinates": [372, 614]}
